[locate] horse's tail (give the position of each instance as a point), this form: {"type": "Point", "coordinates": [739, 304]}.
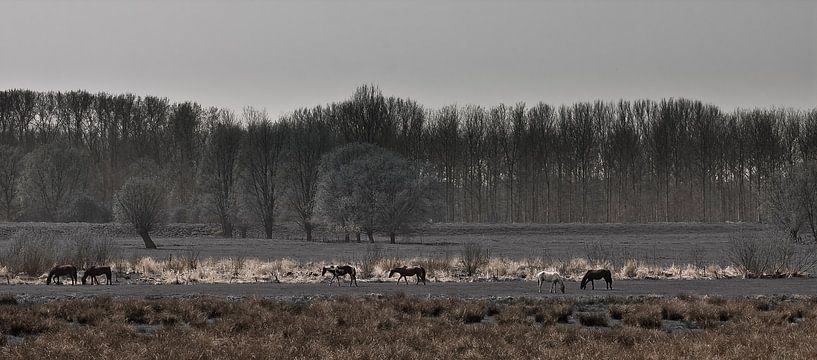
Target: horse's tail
{"type": "Point", "coordinates": [423, 273]}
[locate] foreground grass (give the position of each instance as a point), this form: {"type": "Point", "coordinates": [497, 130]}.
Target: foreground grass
{"type": "Point", "coordinates": [183, 270]}
{"type": "Point", "coordinates": [406, 327]}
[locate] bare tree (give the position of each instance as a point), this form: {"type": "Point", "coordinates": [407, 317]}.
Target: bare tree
{"type": "Point", "coordinates": [11, 163]}
{"type": "Point", "coordinates": [53, 176]}
{"type": "Point", "coordinates": [218, 174]}
{"type": "Point", "coordinates": [140, 202]}
{"type": "Point", "coordinates": [784, 202]}
{"type": "Point", "coordinates": [310, 137]}
{"type": "Point", "coordinates": [261, 154]}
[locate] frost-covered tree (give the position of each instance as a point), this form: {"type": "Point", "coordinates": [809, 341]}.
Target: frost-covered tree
{"type": "Point", "coordinates": [366, 188]}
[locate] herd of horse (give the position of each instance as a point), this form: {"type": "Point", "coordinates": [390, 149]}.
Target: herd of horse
{"type": "Point", "coordinates": [542, 277]}
{"type": "Point", "coordinates": [340, 271]}
{"type": "Point", "coordinates": [71, 272]}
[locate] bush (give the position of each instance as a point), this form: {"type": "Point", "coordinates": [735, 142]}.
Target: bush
{"type": "Point", "coordinates": [86, 248]}
{"type": "Point", "coordinates": [34, 252]}
{"type": "Point", "coordinates": [367, 262]}
{"type": "Point", "coordinates": [30, 252]}
{"type": "Point", "coordinates": [645, 316]}
{"type": "Point", "coordinates": [593, 319]}
{"type": "Point", "coordinates": [767, 254]}
{"type": "Point", "coordinates": [473, 258]}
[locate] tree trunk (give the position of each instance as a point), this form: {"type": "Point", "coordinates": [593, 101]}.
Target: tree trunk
{"type": "Point", "coordinates": [308, 231]}
{"type": "Point", "coordinates": [391, 237]}
{"type": "Point", "coordinates": [149, 244]}
{"type": "Point", "coordinates": [268, 229]}
{"type": "Point", "coordinates": [226, 229]}
{"type": "Point", "coordinates": [370, 234]}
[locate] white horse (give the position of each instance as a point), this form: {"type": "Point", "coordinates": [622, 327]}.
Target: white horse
{"type": "Point", "coordinates": [543, 277]}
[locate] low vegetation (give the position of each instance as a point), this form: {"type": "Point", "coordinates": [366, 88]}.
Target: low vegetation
{"type": "Point", "coordinates": [405, 327]}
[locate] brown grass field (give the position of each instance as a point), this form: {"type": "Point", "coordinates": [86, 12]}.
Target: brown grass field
{"type": "Point", "coordinates": [404, 327]}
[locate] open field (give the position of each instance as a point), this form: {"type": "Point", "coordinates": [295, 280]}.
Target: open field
{"type": "Point", "coordinates": [399, 326]}
{"type": "Point", "coordinates": [658, 243]}
{"type": "Point", "coordinates": [191, 254]}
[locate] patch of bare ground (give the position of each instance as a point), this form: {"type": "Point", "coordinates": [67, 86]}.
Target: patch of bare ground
{"type": "Point", "coordinates": [401, 326]}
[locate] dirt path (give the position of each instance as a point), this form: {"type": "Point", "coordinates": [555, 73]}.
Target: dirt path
{"type": "Point", "coordinates": [729, 288]}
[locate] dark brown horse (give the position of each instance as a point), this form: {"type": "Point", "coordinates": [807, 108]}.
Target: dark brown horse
{"type": "Point", "coordinates": [339, 272]}
{"type": "Point", "coordinates": [596, 275]}
{"type": "Point", "coordinates": [405, 272]}
{"type": "Point", "coordinates": [95, 271]}
{"type": "Point", "coordinates": [62, 270]}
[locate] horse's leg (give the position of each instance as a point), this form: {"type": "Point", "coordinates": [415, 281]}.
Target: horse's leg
{"type": "Point", "coordinates": [593, 285]}
{"type": "Point", "coordinates": [539, 282]}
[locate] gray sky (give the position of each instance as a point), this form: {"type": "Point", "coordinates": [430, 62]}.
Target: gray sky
{"type": "Point", "coordinates": [284, 55]}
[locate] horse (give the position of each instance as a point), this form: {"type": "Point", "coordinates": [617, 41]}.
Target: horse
{"type": "Point", "coordinates": [595, 275]}
{"type": "Point", "coordinates": [405, 272]}
{"type": "Point", "coordinates": [543, 277]}
{"type": "Point", "coordinates": [62, 270]}
{"type": "Point", "coordinates": [95, 271]}
{"type": "Point", "coordinates": [340, 271]}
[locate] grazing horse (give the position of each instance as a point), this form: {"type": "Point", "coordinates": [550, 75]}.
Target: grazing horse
{"type": "Point", "coordinates": [544, 277]}
{"type": "Point", "coordinates": [405, 272]}
{"type": "Point", "coordinates": [62, 270]}
{"type": "Point", "coordinates": [95, 271]}
{"type": "Point", "coordinates": [340, 271]}
{"type": "Point", "coordinates": [595, 275]}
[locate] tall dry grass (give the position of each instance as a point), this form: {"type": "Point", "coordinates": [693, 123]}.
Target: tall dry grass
{"type": "Point", "coordinates": [401, 327]}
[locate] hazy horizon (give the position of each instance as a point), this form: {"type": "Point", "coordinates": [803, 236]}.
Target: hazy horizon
{"type": "Point", "coordinates": [285, 55]}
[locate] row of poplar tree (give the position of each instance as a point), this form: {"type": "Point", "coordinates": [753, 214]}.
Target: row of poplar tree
{"type": "Point", "coordinates": [63, 156]}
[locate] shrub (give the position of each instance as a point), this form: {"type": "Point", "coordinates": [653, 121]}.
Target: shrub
{"type": "Point", "coordinates": [672, 310]}
{"type": "Point", "coordinates": [30, 252]}
{"type": "Point", "coordinates": [473, 258]}
{"type": "Point", "coordinates": [617, 311]}
{"type": "Point", "coordinates": [367, 262]}
{"type": "Point", "coordinates": [86, 249]}
{"type": "Point", "coordinates": [593, 318]}
{"type": "Point", "coordinates": [645, 316]}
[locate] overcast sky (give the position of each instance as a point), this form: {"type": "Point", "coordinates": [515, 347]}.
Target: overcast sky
{"type": "Point", "coordinates": [284, 55]}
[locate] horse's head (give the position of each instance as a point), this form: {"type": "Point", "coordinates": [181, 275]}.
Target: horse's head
{"type": "Point", "coordinates": [323, 271]}
{"type": "Point", "coordinates": [391, 272]}
{"type": "Point", "coordinates": [48, 281]}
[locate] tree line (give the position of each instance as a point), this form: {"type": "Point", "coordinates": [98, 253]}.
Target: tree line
{"type": "Point", "coordinates": [64, 156]}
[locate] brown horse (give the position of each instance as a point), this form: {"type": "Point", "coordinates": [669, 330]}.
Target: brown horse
{"type": "Point", "coordinates": [405, 272]}
{"type": "Point", "coordinates": [596, 275]}
{"type": "Point", "coordinates": [340, 271]}
{"type": "Point", "coordinates": [95, 271]}
{"type": "Point", "coordinates": [62, 270]}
